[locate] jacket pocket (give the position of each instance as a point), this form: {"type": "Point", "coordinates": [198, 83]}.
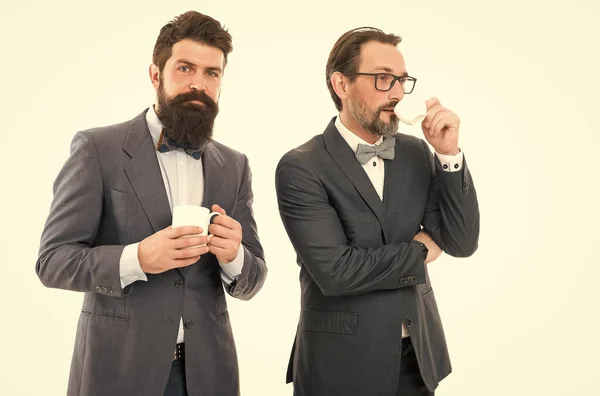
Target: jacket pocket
{"type": "Point", "coordinates": [427, 289]}
{"type": "Point", "coordinates": [337, 322]}
{"type": "Point", "coordinates": [105, 315]}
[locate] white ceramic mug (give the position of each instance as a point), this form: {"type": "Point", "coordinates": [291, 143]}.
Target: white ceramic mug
{"type": "Point", "coordinates": [411, 111]}
{"type": "Point", "coordinates": [192, 215]}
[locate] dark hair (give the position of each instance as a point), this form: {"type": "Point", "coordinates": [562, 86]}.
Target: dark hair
{"type": "Point", "coordinates": [194, 26]}
{"type": "Point", "coordinates": [345, 54]}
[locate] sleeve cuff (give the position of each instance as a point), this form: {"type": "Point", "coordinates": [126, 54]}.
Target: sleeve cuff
{"type": "Point", "coordinates": [130, 269]}
{"type": "Point", "coordinates": [229, 271]}
{"type": "Point", "coordinates": [451, 163]}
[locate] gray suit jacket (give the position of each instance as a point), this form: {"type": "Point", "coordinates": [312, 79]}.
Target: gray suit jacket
{"type": "Point", "coordinates": [361, 274]}
{"type": "Point", "coordinates": [110, 193]}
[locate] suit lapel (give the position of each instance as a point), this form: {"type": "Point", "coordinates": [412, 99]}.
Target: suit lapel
{"type": "Point", "coordinates": [144, 174]}
{"type": "Point", "coordinates": [213, 163]}
{"type": "Point", "coordinates": [394, 179]}
{"type": "Point", "coordinates": [345, 158]}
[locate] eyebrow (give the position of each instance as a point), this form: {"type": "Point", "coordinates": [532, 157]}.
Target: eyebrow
{"type": "Point", "coordinates": [188, 63]}
{"type": "Point", "coordinates": [389, 70]}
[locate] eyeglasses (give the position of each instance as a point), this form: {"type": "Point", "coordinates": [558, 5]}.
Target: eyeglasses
{"type": "Point", "coordinates": [385, 81]}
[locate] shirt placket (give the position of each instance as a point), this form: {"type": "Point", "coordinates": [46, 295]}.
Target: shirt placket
{"type": "Point", "coordinates": [182, 187]}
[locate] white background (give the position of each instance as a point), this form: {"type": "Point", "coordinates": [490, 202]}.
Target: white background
{"type": "Point", "coordinates": [520, 315]}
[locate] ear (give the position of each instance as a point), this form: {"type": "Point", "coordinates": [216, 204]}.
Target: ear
{"type": "Point", "coordinates": [154, 75]}
{"type": "Point", "coordinates": [340, 83]}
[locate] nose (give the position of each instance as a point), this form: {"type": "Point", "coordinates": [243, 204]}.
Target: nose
{"type": "Point", "coordinates": [198, 84]}
{"type": "Point", "coordinates": [396, 93]}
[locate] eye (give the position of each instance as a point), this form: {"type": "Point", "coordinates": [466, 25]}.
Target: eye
{"type": "Point", "coordinates": [213, 74]}
{"type": "Point", "coordinates": [385, 78]}
{"type": "Point", "coordinates": [185, 69]}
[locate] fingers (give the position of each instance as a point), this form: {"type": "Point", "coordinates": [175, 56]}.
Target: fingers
{"type": "Point", "coordinates": [218, 209]}
{"type": "Point", "coordinates": [223, 254]}
{"type": "Point", "coordinates": [225, 249]}
{"type": "Point", "coordinates": [177, 232]}
{"type": "Point", "coordinates": [190, 253]}
{"type": "Point", "coordinates": [434, 253]}
{"type": "Point", "coordinates": [222, 243]}
{"type": "Point", "coordinates": [179, 263]}
{"type": "Point", "coordinates": [187, 242]}
{"type": "Point", "coordinates": [426, 123]}
{"type": "Point", "coordinates": [438, 123]}
{"type": "Point", "coordinates": [431, 114]}
{"type": "Point", "coordinates": [430, 103]}
{"type": "Point", "coordinates": [234, 232]}
{"type": "Point", "coordinates": [224, 221]}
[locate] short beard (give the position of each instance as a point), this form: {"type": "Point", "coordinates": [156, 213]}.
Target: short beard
{"type": "Point", "coordinates": [374, 124]}
{"type": "Point", "coordinates": [187, 124]}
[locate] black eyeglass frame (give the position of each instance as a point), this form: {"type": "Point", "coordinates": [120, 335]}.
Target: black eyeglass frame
{"type": "Point", "coordinates": [396, 78]}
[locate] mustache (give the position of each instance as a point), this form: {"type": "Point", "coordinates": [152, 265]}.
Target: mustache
{"type": "Point", "coordinates": [387, 106]}
{"type": "Point", "coordinates": [200, 96]}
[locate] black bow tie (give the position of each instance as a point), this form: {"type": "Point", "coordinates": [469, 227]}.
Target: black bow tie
{"type": "Point", "coordinates": [167, 144]}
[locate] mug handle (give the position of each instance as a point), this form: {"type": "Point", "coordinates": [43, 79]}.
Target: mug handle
{"type": "Point", "coordinates": [210, 220]}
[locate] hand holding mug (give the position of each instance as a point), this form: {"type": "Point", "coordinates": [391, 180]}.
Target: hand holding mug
{"type": "Point", "coordinates": [226, 238]}
{"type": "Point", "coordinates": [440, 128]}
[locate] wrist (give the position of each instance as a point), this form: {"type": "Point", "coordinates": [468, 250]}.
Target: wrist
{"type": "Point", "coordinates": [140, 257]}
{"type": "Point", "coordinates": [451, 152]}
{"type": "Point", "coordinates": [423, 249]}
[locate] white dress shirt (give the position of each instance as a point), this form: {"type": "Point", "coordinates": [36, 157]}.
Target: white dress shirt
{"type": "Point", "coordinates": [183, 178]}
{"type": "Point", "coordinates": [375, 168]}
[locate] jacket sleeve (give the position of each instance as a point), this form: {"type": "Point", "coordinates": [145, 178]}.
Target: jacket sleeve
{"type": "Point", "coordinates": [254, 271]}
{"type": "Point", "coordinates": [452, 212]}
{"type": "Point", "coordinates": [67, 258]}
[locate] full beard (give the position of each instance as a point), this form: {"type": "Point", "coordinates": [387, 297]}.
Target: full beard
{"type": "Point", "coordinates": [187, 124]}
{"type": "Point", "coordinates": [371, 121]}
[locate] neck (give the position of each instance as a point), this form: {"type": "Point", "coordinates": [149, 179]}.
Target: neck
{"type": "Point", "coordinates": [354, 127]}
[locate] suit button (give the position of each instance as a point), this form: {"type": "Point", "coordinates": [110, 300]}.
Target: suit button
{"type": "Point", "coordinates": [98, 289]}
{"type": "Point", "coordinates": [179, 284]}
{"type": "Point", "coordinates": [412, 278]}
{"type": "Point", "coordinates": [188, 324]}
{"type": "Point", "coordinates": [408, 322]}
{"type": "Point", "coordinates": [109, 290]}
{"type": "Point", "coordinates": [104, 289]}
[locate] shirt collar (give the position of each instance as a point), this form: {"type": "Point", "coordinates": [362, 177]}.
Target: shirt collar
{"type": "Point", "coordinates": [350, 138]}
{"type": "Point", "coordinates": [154, 124]}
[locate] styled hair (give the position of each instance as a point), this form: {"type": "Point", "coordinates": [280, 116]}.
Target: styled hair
{"type": "Point", "coordinates": [345, 54]}
{"type": "Point", "coordinates": [194, 26]}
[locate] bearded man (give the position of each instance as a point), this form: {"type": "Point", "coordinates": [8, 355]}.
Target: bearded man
{"type": "Point", "coordinates": [367, 209]}
{"type": "Point", "coordinates": [154, 319]}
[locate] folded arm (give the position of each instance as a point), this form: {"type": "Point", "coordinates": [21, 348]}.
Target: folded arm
{"type": "Point", "coordinates": [452, 212]}
{"type": "Point", "coordinates": [318, 237]}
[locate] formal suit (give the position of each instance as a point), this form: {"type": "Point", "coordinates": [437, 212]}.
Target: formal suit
{"type": "Point", "coordinates": [362, 276]}
{"type": "Point", "coordinates": [108, 195]}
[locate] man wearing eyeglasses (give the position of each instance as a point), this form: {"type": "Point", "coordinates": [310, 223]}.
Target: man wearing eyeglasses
{"type": "Point", "coordinates": [366, 209]}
